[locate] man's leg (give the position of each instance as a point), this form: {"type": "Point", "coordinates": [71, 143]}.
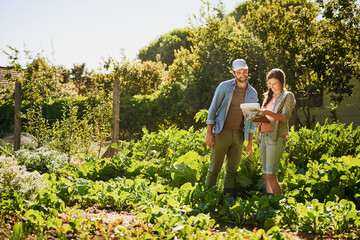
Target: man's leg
{"type": "Point", "coordinates": [221, 146]}
{"type": "Point", "coordinates": [232, 161]}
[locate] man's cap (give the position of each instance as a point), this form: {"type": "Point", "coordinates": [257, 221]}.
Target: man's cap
{"type": "Point", "coordinates": [239, 63]}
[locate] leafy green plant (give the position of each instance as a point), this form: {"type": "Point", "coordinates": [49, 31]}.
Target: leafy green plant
{"type": "Point", "coordinates": [6, 149]}
{"type": "Point", "coordinates": [104, 169]}
{"type": "Point", "coordinates": [257, 210]}
{"type": "Point", "coordinates": [43, 159]}
{"type": "Point", "coordinates": [36, 124]}
{"type": "Point", "coordinates": [15, 178]}
{"type": "Point", "coordinates": [249, 177]}
{"type": "Point", "coordinates": [342, 216]}
{"type": "Point", "coordinates": [329, 217]}
{"type": "Point", "coordinates": [190, 167]}
{"type": "Point", "coordinates": [334, 140]}
{"type": "Point", "coordinates": [328, 179]}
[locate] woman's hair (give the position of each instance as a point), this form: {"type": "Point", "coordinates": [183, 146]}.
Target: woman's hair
{"type": "Point", "coordinates": [277, 74]}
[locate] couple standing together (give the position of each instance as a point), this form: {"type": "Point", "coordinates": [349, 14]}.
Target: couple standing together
{"type": "Point", "coordinates": [227, 128]}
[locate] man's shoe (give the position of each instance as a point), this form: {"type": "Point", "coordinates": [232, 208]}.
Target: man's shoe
{"type": "Point", "coordinates": [229, 191]}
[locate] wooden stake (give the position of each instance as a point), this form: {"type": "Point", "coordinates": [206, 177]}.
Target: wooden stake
{"type": "Point", "coordinates": [17, 117]}
{"type": "Point", "coordinates": [115, 121]}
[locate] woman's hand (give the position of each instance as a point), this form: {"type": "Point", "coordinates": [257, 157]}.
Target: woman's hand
{"type": "Point", "coordinates": [249, 150]}
{"type": "Point", "coordinates": [263, 112]}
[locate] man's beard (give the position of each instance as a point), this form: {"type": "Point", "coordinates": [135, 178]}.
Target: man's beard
{"type": "Point", "coordinates": [241, 81]}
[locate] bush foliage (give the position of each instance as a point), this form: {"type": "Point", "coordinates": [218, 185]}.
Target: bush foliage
{"type": "Point", "coordinates": [161, 178]}
{"type": "Point", "coordinates": [301, 37]}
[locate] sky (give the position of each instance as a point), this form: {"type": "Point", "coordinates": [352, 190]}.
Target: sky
{"type": "Point", "coordinates": [71, 32]}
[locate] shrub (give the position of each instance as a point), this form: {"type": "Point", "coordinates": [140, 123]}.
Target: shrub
{"type": "Point", "coordinates": [6, 149]}
{"type": "Point", "coordinates": [15, 179]}
{"type": "Point", "coordinates": [335, 140]}
{"type": "Point", "coordinates": [329, 179]}
{"type": "Point", "coordinates": [44, 159]}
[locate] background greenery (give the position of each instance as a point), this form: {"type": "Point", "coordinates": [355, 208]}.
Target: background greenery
{"type": "Point", "coordinates": [160, 178]}
{"type": "Point", "coordinates": [159, 171]}
{"type": "Point", "coordinates": [315, 42]}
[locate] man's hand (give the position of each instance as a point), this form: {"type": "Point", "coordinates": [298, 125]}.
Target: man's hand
{"type": "Point", "coordinates": [210, 140]}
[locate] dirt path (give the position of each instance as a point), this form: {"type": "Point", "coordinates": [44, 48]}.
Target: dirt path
{"type": "Point", "coordinates": [109, 216]}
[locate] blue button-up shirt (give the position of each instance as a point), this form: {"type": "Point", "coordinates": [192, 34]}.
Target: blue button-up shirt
{"type": "Point", "coordinates": [221, 103]}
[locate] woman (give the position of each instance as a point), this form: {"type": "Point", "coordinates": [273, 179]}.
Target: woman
{"type": "Point", "coordinates": [277, 107]}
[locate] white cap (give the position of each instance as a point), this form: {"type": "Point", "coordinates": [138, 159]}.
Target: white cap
{"type": "Point", "coordinates": [239, 63]}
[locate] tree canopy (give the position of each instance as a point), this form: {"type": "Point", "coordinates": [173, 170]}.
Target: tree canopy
{"type": "Point", "coordinates": [316, 43]}
{"type": "Point", "coordinates": [163, 48]}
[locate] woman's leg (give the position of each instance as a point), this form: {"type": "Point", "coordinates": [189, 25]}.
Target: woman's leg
{"type": "Point", "coordinates": [273, 153]}
{"type": "Point", "coordinates": [272, 184]}
{"type": "Point", "coordinates": [268, 186]}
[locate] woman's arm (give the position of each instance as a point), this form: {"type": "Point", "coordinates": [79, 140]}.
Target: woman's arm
{"type": "Point", "coordinates": [285, 112]}
{"type": "Point", "coordinates": [275, 116]}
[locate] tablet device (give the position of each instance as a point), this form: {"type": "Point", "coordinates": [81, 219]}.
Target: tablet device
{"type": "Point", "coordinates": [249, 106]}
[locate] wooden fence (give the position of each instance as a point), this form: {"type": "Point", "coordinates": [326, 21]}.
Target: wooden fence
{"type": "Point", "coordinates": [115, 118]}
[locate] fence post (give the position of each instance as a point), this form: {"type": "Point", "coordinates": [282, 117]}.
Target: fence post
{"type": "Point", "coordinates": [115, 121]}
{"type": "Point", "coordinates": [116, 112]}
{"type": "Point", "coordinates": [17, 117]}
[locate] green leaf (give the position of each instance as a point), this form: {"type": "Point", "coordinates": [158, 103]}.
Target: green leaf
{"type": "Point", "coordinates": [65, 228]}
{"type": "Point", "coordinates": [34, 216]}
{"type": "Point", "coordinates": [178, 228]}
{"type": "Point", "coordinates": [114, 145]}
{"type": "Point", "coordinates": [243, 180]}
{"type": "Point", "coordinates": [18, 231]}
{"type": "Point", "coordinates": [186, 169]}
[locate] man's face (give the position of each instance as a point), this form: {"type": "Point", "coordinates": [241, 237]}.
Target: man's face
{"type": "Point", "coordinates": [241, 75]}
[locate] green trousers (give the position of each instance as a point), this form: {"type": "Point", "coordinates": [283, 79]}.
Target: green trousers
{"type": "Point", "coordinates": [228, 143]}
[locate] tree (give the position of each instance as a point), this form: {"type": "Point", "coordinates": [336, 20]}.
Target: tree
{"type": "Point", "coordinates": [312, 52]}
{"type": "Point", "coordinates": [240, 10]}
{"type": "Point", "coordinates": [80, 76]}
{"type": "Point", "coordinates": [217, 41]}
{"type": "Point", "coordinates": [162, 49]}
{"type": "Point", "coordinates": [136, 77]}
{"type": "Point", "coordinates": [40, 79]}
{"type": "Point", "coordinates": [336, 57]}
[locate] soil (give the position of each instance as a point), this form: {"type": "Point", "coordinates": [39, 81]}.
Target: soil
{"type": "Point", "coordinates": [127, 219]}
{"type": "Point", "coordinates": [109, 216]}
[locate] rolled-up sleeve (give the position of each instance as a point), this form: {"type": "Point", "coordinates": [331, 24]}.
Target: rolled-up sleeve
{"type": "Point", "coordinates": [215, 104]}
{"type": "Point", "coordinates": [252, 127]}
{"type": "Point", "coordinates": [289, 105]}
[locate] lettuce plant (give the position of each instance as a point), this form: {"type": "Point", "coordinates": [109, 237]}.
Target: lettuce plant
{"type": "Point", "coordinates": [43, 160]}
{"type": "Point", "coordinates": [15, 178]}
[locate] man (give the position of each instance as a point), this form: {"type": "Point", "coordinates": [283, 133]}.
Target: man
{"type": "Point", "coordinates": [227, 128]}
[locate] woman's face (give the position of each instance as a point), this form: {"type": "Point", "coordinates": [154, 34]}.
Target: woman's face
{"type": "Point", "coordinates": [275, 85]}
